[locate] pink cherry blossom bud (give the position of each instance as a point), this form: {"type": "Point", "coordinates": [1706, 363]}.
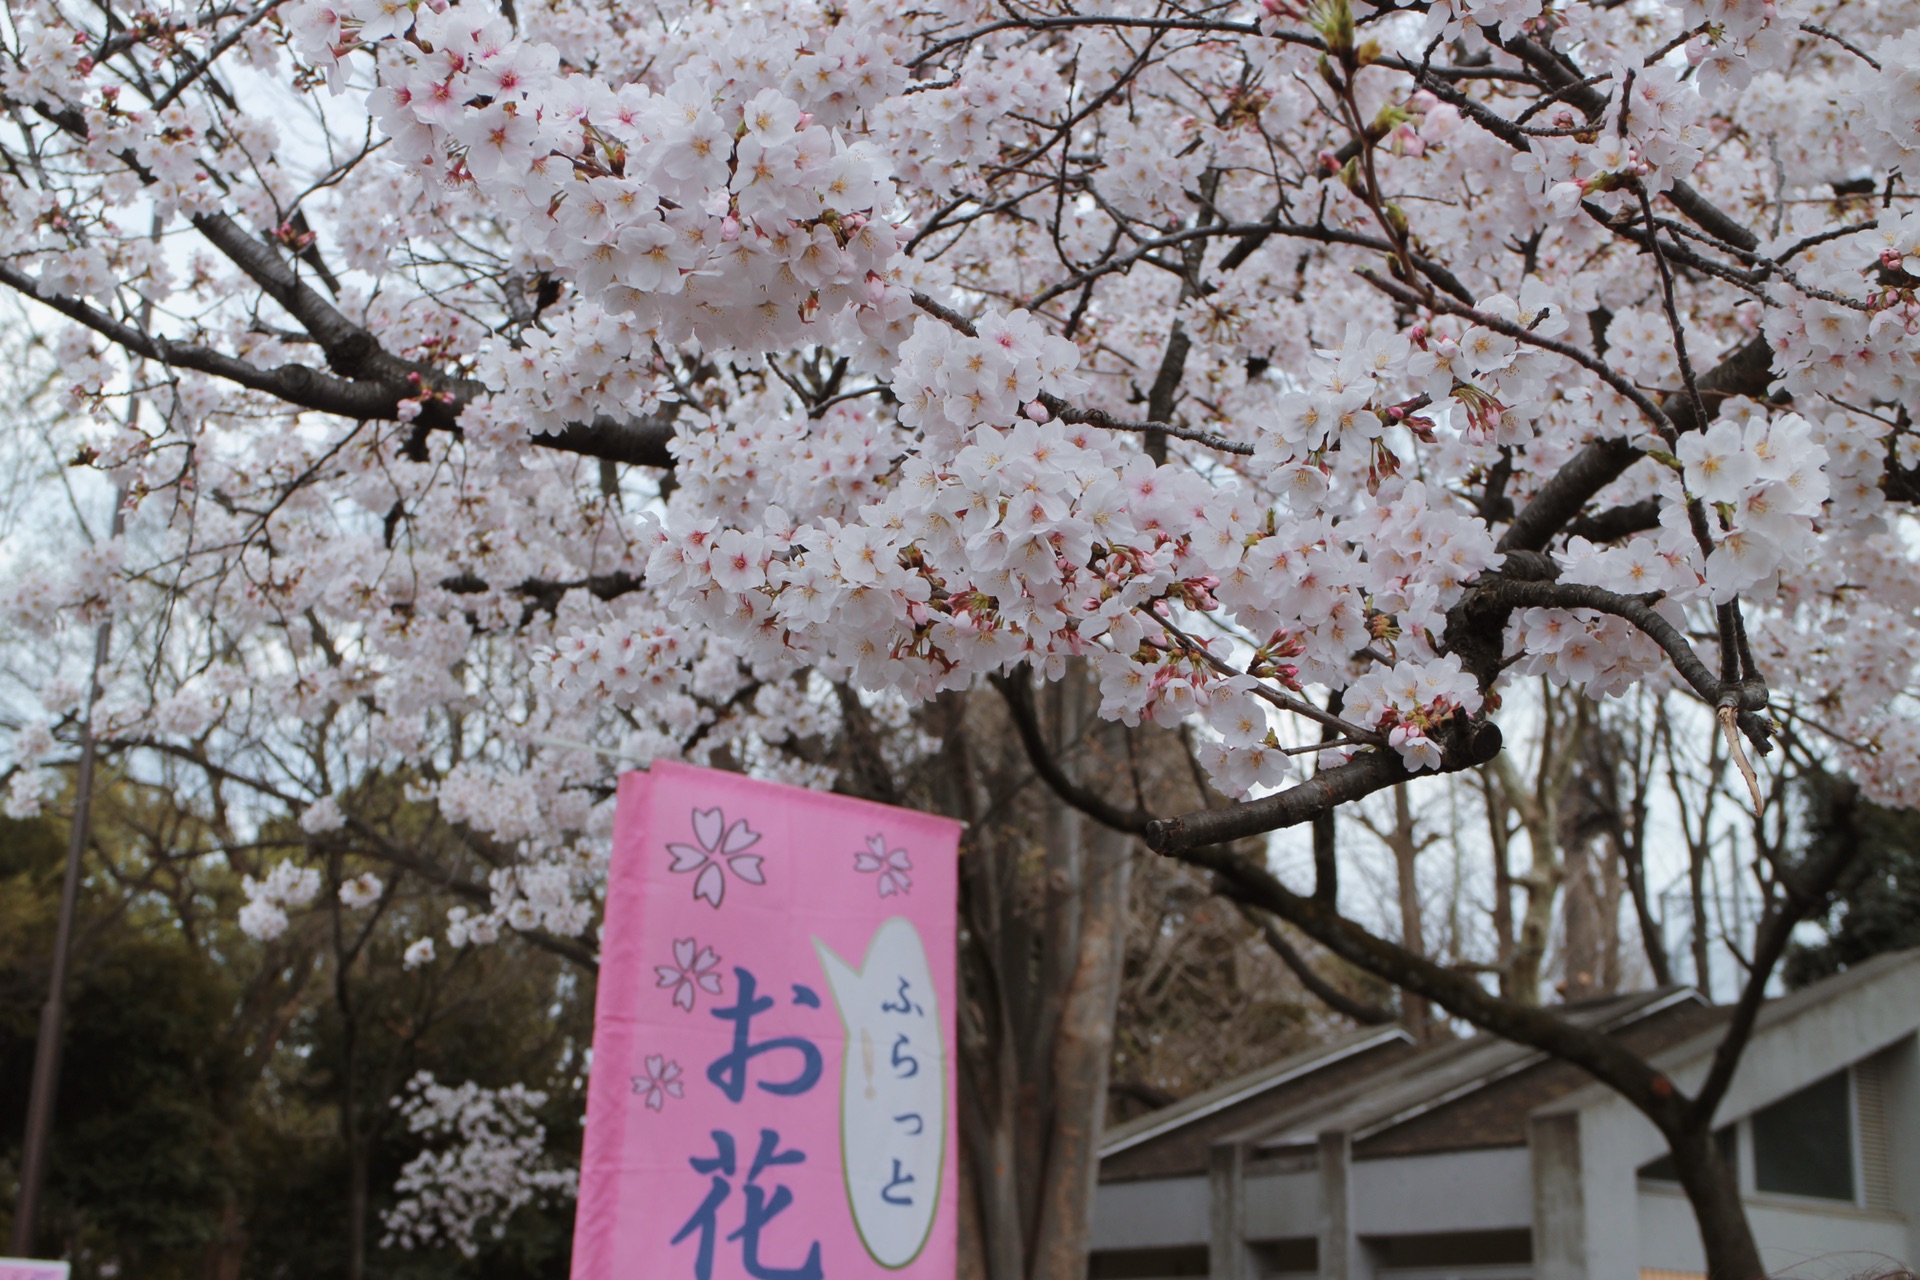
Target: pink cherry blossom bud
{"type": "Point", "coordinates": [1422, 102]}
{"type": "Point", "coordinates": [408, 410]}
{"type": "Point", "coordinates": [729, 229]}
{"type": "Point", "coordinates": [1038, 412]}
{"type": "Point", "coordinates": [806, 118]}
{"type": "Point", "coordinates": [876, 288]}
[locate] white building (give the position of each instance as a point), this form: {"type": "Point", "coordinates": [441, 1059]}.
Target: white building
{"type": "Point", "coordinates": [1369, 1159]}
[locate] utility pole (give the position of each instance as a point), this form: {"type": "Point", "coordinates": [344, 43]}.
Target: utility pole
{"type": "Point", "coordinates": [53, 1014]}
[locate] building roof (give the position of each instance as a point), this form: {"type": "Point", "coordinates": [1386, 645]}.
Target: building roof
{"type": "Point", "coordinates": [1878, 978]}
{"type": "Point", "coordinates": [1479, 1091]}
{"type": "Point", "coordinates": [1393, 1097]}
{"type": "Point", "coordinates": [1175, 1139]}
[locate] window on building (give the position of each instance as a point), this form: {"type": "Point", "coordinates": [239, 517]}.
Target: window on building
{"type": "Point", "coordinates": [1803, 1144]}
{"type": "Point", "coordinates": [1727, 1139]}
{"type": "Point", "coordinates": [1148, 1264]}
{"type": "Point", "coordinates": [1299, 1256]}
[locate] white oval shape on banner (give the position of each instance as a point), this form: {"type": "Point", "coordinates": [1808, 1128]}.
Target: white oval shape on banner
{"type": "Point", "coordinates": [893, 1094]}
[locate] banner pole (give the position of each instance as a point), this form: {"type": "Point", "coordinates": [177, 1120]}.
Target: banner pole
{"type": "Point", "coordinates": [53, 1014]}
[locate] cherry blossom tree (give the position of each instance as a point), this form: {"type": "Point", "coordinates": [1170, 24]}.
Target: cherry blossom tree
{"type": "Point", "coordinates": [505, 387]}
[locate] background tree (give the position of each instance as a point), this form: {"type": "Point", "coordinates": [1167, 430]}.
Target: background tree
{"type": "Point", "coordinates": [1877, 906]}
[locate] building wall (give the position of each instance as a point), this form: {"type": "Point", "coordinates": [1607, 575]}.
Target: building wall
{"type": "Point", "coordinates": [1801, 1240]}
{"type": "Point", "coordinates": [1453, 1191]}
{"type": "Point", "coordinates": [1611, 1224]}
{"type": "Point", "coordinates": [1151, 1213]}
{"type": "Point", "coordinates": [1821, 1038]}
{"type": "Point", "coordinates": [1900, 1084]}
{"type": "Point", "coordinates": [1282, 1203]}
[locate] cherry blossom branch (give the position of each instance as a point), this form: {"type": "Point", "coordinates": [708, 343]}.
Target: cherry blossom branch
{"type": "Point", "coordinates": [634, 441]}
{"type": "Point", "coordinates": [384, 848]}
{"type": "Point", "coordinates": [1284, 701]}
{"type": "Point", "coordinates": [220, 46]}
{"type": "Point", "coordinates": [1530, 592]}
{"type": "Point", "coordinates": [1814, 29]}
{"type": "Point", "coordinates": [1578, 91]}
{"type": "Point", "coordinates": [1519, 333]}
{"type": "Point", "coordinates": [296, 384]}
{"type": "Point", "coordinates": [1747, 371]}
{"type": "Point", "coordinates": [1068, 412]}
{"type": "Point", "coordinates": [1464, 743]}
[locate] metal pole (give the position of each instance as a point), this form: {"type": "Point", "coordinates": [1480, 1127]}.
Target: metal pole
{"type": "Point", "coordinates": [53, 1014]}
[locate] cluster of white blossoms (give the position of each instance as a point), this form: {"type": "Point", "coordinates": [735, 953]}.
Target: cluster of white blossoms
{"type": "Point", "coordinates": [730, 207]}
{"type": "Point", "coordinates": [947, 380]}
{"type": "Point", "coordinates": [288, 886]}
{"type": "Point", "coordinates": [360, 892]}
{"type": "Point", "coordinates": [1764, 475]}
{"type": "Point", "coordinates": [1886, 108]}
{"type": "Point", "coordinates": [1409, 700]}
{"type": "Point", "coordinates": [490, 1160]}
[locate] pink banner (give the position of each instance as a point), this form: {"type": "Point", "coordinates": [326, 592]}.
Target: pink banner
{"type": "Point", "coordinates": [28, 1269]}
{"type": "Point", "coordinates": [773, 1079]}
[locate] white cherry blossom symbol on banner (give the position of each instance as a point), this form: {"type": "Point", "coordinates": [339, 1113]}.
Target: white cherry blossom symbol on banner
{"type": "Point", "coordinates": [658, 1082]}
{"type": "Point", "coordinates": [694, 966]}
{"type": "Point", "coordinates": [719, 843]}
{"type": "Point", "coordinates": [892, 866]}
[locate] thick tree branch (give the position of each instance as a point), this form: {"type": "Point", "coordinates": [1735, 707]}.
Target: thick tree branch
{"type": "Point", "coordinates": [1325, 992]}
{"type": "Point", "coordinates": [1593, 1050]}
{"type": "Point", "coordinates": [1535, 593]}
{"type": "Point", "coordinates": [1804, 891]}
{"type": "Point", "coordinates": [1017, 692]}
{"type": "Point", "coordinates": [1463, 745]}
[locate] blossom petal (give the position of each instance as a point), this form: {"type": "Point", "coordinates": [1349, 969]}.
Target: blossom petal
{"type": "Point", "coordinates": [686, 857]}
{"type": "Point", "coordinates": [708, 824]}
{"type": "Point", "coordinates": [747, 867]}
{"type": "Point", "coordinates": [740, 836]}
{"type": "Point", "coordinates": [712, 884]}
{"type": "Point", "coordinates": [683, 996]}
{"type": "Point", "coordinates": [683, 952]}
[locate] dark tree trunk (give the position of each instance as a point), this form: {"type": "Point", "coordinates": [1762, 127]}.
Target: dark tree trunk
{"type": "Point", "coordinates": [1043, 907]}
{"type": "Point", "coordinates": [1713, 1189]}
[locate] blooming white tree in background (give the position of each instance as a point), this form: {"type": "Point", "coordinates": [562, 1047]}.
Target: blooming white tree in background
{"type": "Point", "coordinates": [493, 1162]}
{"type": "Point", "coordinates": [500, 387]}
